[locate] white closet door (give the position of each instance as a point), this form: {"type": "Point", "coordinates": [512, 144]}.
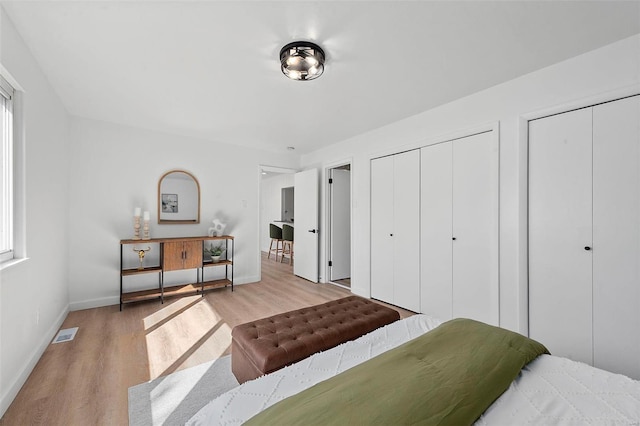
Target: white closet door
{"type": "Point", "coordinates": [475, 228]}
{"type": "Point", "coordinates": [382, 229]}
{"type": "Point", "coordinates": [436, 228]}
{"type": "Point", "coordinates": [406, 230]}
{"type": "Point", "coordinates": [616, 236]}
{"type": "Point", "coordinates": [560, 205]}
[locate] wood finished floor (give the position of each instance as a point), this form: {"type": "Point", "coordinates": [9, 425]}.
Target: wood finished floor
{"type": "Point", "coordinates": [85, 381]}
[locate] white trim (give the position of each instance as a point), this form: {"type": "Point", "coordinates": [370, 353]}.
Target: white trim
{"type": "Point", "coordinates": [13, 389]}
{"type": "Point", "coordinates": [269, 169]}
{"type": "Point", "coordinates": [115, 300]}
{"type": "Point", "coordinates": [522, 259]}
{"type": "Point", "coordinates": [496, 135]}
{"type": "Point", "coordinates": [94, 303]}
{"type": "Point", "coordinates": [7, 178]}
{"type": "Point", "coordinates": [11, 263]}
{"type": "Point", "coordinates": [19, 177]}
{"type": "Point", "coordinates": [246, 280]}
{"type": "Point", "coordinates": [6, 90]}
{"type": "Point", "coordinates": [523, 187]}
{"type": "Point", "coordinates": [12, 81]}
{"type": "Point", "coordinates": [325, 190]}
{"type": "Point", "coordinates": [443, 137]}
{"type": "Point", "coordinates": [272, 169]}
{"type": "Point", "coordinates": [585, 102]}
{"type": "Point", "coordinates": [259, 224]}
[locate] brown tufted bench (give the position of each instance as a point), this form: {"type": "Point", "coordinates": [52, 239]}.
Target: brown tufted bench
{"type": "Point", "coordinates": [268, 344]}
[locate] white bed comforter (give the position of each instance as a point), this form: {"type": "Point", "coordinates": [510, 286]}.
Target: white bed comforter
{"type": "Point", "coordinates": [550, 390]}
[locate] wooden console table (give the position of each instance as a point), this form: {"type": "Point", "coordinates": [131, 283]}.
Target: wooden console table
{"type": "Point", "coordinates": [178, 254]}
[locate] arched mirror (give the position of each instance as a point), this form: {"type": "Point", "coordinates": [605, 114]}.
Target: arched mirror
{"type": "Point", "coordinates": [178, 198]}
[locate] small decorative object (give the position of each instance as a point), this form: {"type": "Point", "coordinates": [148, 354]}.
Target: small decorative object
{"type": "Point", "coordinates": [217, 230]}
{"type": "Point", "coordinates": [145, 227]}
{"type": "Point", "coordinates": [215, 252]}
{"type": "Point", "coordinates": [141, 253]}
{"type": "Point", "coordinates": [136, 223]}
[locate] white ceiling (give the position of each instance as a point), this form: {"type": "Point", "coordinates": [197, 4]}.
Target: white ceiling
{"type": "Point", "coordinates": [210, 69]}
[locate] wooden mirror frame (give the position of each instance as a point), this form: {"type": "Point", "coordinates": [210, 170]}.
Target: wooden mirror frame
{"type": "Point", "coordinates": [177, 221]}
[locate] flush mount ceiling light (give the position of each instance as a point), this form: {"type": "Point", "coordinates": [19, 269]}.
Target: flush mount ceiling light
{"type": "Point", "coordinates": [302, 60]}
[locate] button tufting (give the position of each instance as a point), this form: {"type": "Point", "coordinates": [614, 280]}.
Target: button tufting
{"type": "Point", "coordinates": [311, 329]}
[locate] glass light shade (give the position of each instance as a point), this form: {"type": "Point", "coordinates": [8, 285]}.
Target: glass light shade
{"type": "Point", "coordinates": [302, 60]}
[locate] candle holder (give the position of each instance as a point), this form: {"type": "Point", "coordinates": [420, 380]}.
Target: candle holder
{"type": "Point", "coordinates": [145, 230]}
{"type": "Point", "coordinates": [136, 227]}
{"type": "Point", "coordinates": [141, 253]}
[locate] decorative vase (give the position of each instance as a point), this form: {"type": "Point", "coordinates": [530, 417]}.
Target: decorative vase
{"type": "Point", "coordinates": [215, 259]}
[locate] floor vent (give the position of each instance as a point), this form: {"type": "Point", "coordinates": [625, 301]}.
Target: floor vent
{"type": "Point", "coordinates": [65, 335]}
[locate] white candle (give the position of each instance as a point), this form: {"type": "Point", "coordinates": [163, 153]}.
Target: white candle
{"type": "Point", "coordinates": [136, 212]}
{"type": "Point", "coordinates": [146, 215]}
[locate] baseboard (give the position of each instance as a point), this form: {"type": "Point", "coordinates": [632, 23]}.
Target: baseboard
{"type": "Point", "coordinates": [115, 300]}
{"type": "Point", "coordinates": [246, 280]}
{"type": "Point", "coordinates": [12, 390]}
{"type": "Point", "coordinates": [94, 303]}
{"type": "Point", "coordinates": [358, 292]}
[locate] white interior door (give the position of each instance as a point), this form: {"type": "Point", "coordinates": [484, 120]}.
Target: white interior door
{"type": "Point", "coordinates": [340, 219]}
{"type": "Point", "coordinates": [560, 227]}
{"type": "Point", "coordinates": [616, 236]}
{"type": "Point", "coordinates": [406, 230]}
{"type": "Point", "coordinates": [475, 228]}
{"type": "Point", "coordinates": [436, 230]}
{"type": "Point", "coordinates": [382, 229]}
{"type": "Point", "coordinates": [305, 201]}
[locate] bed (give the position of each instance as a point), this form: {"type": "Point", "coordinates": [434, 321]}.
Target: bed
{"type": "Point", "coordinates": [547, 390]}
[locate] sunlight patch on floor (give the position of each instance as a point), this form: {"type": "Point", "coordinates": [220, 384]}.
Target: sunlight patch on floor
{"type": "Point", "coordinates": [169, 310]}
{"type": "Point", "coordinates": [184, 334]}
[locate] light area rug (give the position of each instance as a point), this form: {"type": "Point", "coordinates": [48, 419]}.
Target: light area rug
{"type": "Point", "coordinates": [175, 398]}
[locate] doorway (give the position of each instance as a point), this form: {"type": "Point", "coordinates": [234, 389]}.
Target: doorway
{"type": "Point", "coordinates": [272, 182]}
{"type": "Point", "coordinates": [339, 238]}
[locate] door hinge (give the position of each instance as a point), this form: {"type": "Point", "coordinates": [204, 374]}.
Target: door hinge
{"type": "Point", "coordinates": [330, 180]}
{"type": "Point", "coordinates": [330, 263]}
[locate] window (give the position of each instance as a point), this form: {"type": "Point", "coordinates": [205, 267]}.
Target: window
{"type": "Point", "coordinates": [6, 170]}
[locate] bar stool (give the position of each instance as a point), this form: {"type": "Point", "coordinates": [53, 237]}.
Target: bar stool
{"type": "Point", "coordinates": [287, 237]}
{"type": "Point", "coordinates": [275, 232]}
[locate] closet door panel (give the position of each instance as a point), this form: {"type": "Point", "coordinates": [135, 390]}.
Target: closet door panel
{"type": "Point", "coordinates": [616, 236]}
{"type": "Point", "coordinates": [436, 228]}
{"type": "Point", "coordinates": [560, 224]}
{"type": "Point", "coordinates": [406, 230]}
{"type": "Point", "coordinates": [382, 228]}
{"type": "Point", "coordinates": [475, 228]}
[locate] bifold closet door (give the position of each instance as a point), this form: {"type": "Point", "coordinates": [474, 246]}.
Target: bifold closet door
{"type": "Point", "coordinates": [459, 229]}
{"type": "Point", "coordinates": [616, 236]}
{"type": "Point", "coordinates": [406, 230]}
{"type": "Point", "coordinates": [436, 201]}
{"type": "Point", "coordinates": [475, 228]}
{"type": "Point", "coordinates": [395, 229]}
{"type": "Point", "coordinates": [560, 234]}
{"type": "Point", "coordinates": [382, 229]}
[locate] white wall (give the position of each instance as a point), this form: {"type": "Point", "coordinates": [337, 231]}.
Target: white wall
{"type": "Point", "coordinates": [271, 207]}
{"type": "Point", "coordinates": [612, 68]}
{"type": "Point", "coordinates": [116, 168]}
{"type": "Point", "coordinates": [33, 294]}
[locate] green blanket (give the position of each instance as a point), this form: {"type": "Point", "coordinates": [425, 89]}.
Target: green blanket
{"type": "Point", "coordinates": [448, 376]}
